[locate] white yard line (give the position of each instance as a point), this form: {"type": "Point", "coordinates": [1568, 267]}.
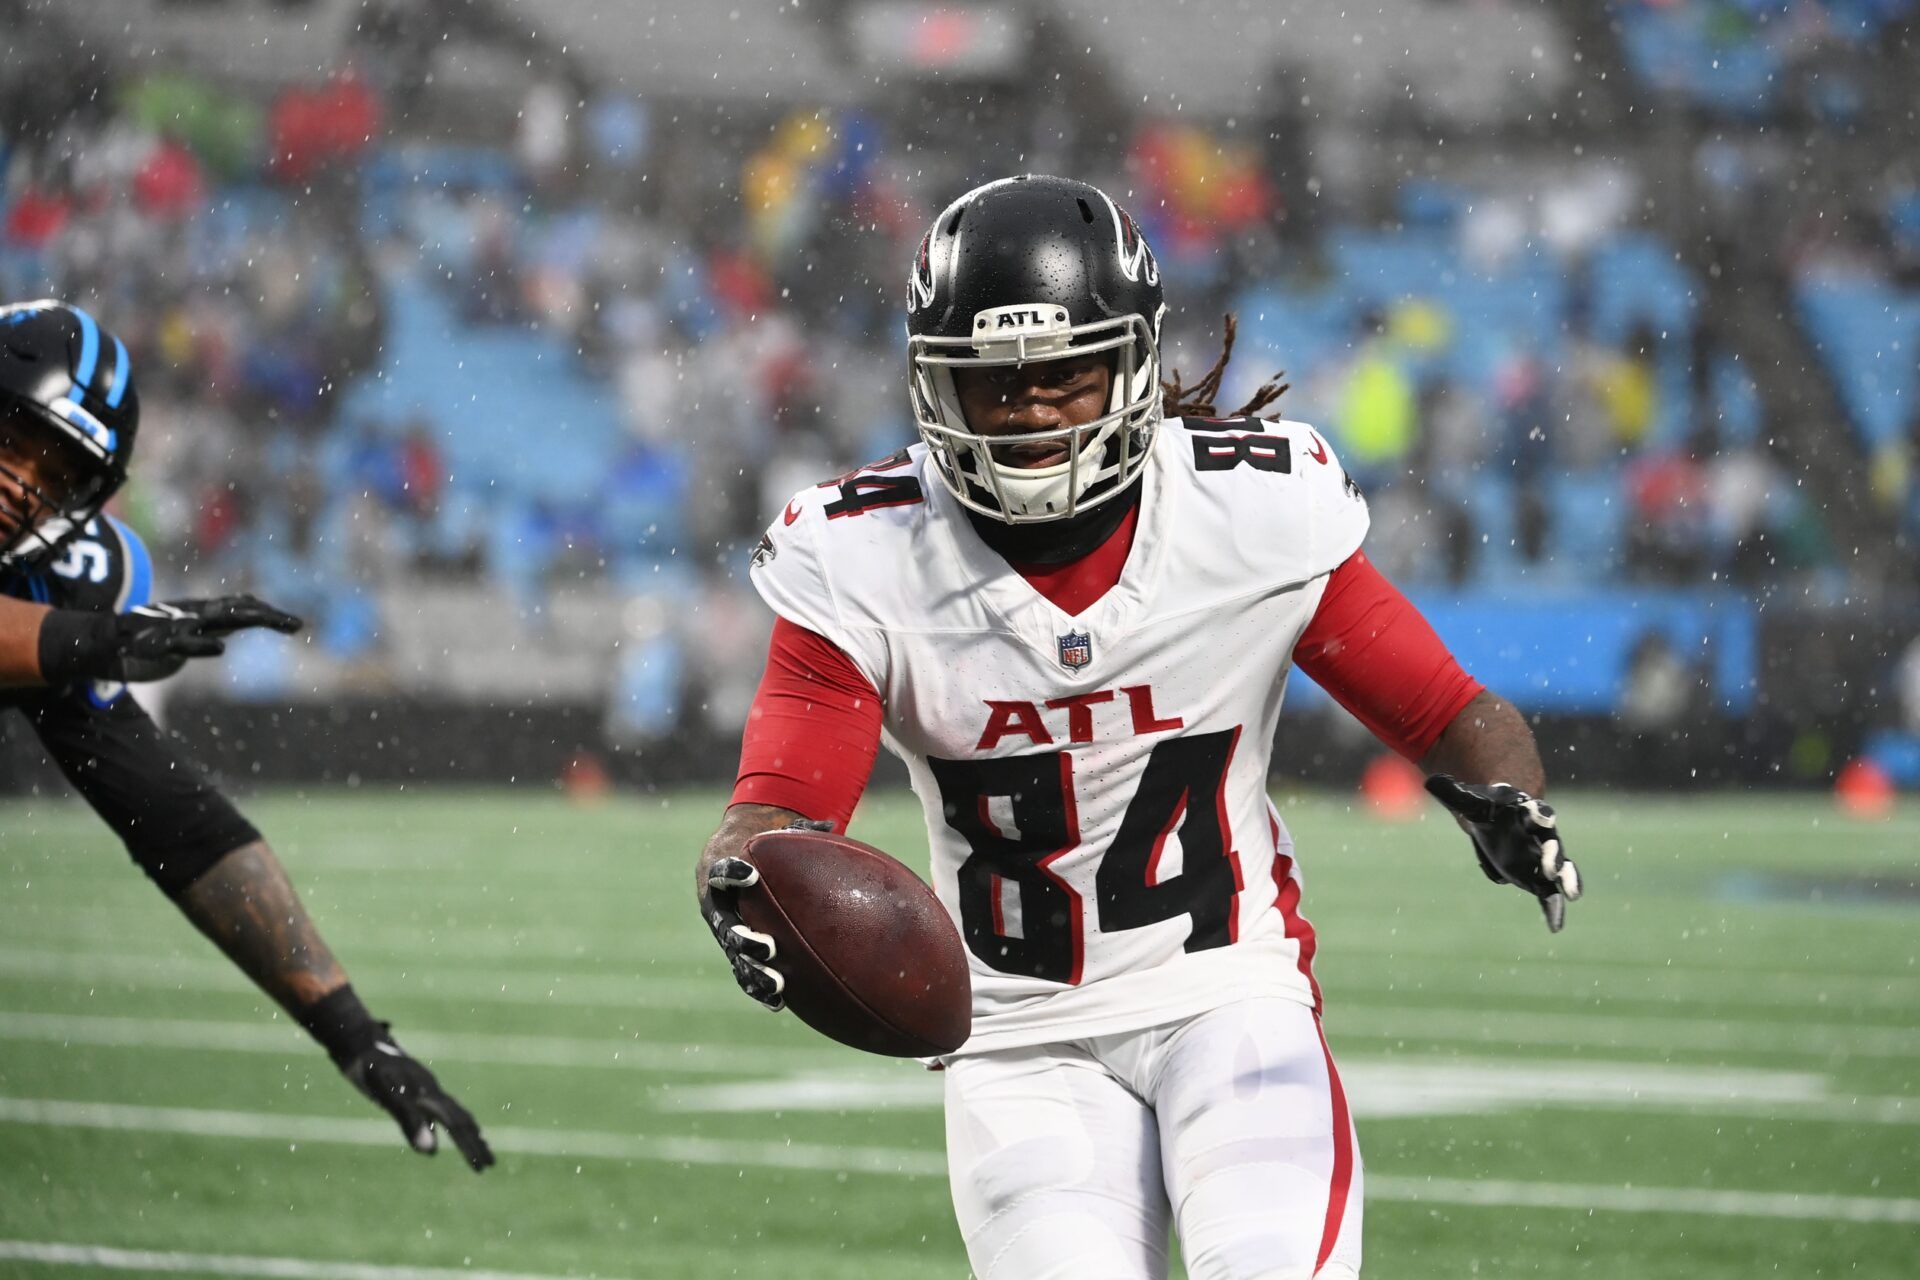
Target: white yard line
{"type": "Point", "coordinates": [1682, 1029]}
{"type": "Point", "coordinates": [281, 1039]}
{"type": "Point", "coordinates": [105, 1258]}
{"type": "Point", "coordinates": [1396, 1088]}
{"type": "Point", "coordinates": [1570, 980]}
{"type": "Point", "coordinates": [1521, 950]}
{"type": "Point", "coordinates": [826, 1078]}
{"type": "Point", "coordinates": [1495, 951]}
{"type": "Point", "coordinates": [570, 1144]}
{"type": "Point", "coordinates": [585, 1145]}
{"type": "Point", "coordinates": [1344, 1018]}
{"type": "Point", "coordinates": [1619, 1031]}
{"type": "Point", "coordinates": [1687, 1200]}
{"type": "Point", "coordinates": [1435, 971]}
{"type": "Point", "coordinates": [452, 981]}
{"type": "Point", "coordinates": [1864, 1109]}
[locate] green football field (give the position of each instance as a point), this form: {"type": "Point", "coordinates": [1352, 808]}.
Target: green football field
{"type": "Point", "coordinates": [1715, 1072]}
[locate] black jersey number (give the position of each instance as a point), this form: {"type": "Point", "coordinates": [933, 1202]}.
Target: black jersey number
{"type": "Point", "coordinates": [1224, 453]}
{"type": "Point", "coordinates": [1019, 815]}
{"type": "Point", "coordinates": [861, 490]}
{"type": "Point", "coordinates": [1184, 789]}
{"type": "Point", "coordinates": [1248, 445]}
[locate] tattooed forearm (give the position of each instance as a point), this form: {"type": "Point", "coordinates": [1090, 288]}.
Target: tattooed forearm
{"type": "Point", "coordinates": [247, 906]}
{"type": "Point", "coordinates": [1489, 741]}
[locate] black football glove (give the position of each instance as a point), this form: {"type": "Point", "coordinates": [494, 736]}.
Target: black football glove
{"type": "Point", "coordinates": [750, 952]}
{"type": "Point", "coordinates": [403, 1087]}
{"type": "Point", "coordinates": [1516, 839]}
{"type": "Point", "coordinates": [149, 642]}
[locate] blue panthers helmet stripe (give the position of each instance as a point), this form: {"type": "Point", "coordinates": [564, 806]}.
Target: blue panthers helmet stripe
{"type": "Point", "coordinates": [122, 375]}
{"type": "Point", "coordinates": [89, 352]}
{"type": "Point", "coordinates": [103, 436]}
{"type": "Point", "coordinates": [138, 588]}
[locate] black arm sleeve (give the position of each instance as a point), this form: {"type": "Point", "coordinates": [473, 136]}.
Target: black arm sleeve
{"type": "Point", "coordinates": [161, 804]}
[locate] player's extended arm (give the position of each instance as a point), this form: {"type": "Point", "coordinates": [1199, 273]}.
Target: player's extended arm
{"type": "Point", "coordinates": [1489, 741]}
{"type": "Point", "coordinates": [1486, 769]}
{"type": "Point", "coordinates": [1372, 651]}
{"type": "Point", "coordinates": [39, 645]}
{"type": "Point", "coordinates": [211, 862]}
{"type": "Point", "coordinates": [246, 905]}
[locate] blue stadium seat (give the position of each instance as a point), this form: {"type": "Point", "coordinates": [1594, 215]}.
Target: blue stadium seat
{"type": "Point", "coordinates": [1637, 280]}
{"type": "Point", "coordinates": [1674, 49]}
{"type": "Point", "coordinates": [1586, 535]}
{"type": "Point", "coordinates": [547, 430]}
{"type": "Point", "coordinates": [1868, 333]}
{"type": "Point", "coordinates": [1490, 510]}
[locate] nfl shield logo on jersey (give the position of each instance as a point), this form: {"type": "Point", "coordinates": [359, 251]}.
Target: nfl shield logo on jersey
{"type": "Point", "coordinates": [1076, 650]}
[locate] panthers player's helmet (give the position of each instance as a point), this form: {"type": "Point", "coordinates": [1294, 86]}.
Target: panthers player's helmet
{"type": "Point", "coordinates": [1022, 270]}
{"type": "Point", "coordinates": [66, 399]}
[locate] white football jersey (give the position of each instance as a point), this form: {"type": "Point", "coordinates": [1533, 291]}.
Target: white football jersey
{"type": "Point", "coordinates": [1094, 785]}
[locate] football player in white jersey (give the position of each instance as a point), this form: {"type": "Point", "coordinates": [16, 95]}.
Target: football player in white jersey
{"type": "Point", "coordinates": [1071, 610]}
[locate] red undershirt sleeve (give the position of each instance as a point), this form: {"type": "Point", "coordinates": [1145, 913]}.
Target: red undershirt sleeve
{"type": "Point", "coordinates": [1371, 650]}
{"type": "Point", "coordinates": [813, 732]}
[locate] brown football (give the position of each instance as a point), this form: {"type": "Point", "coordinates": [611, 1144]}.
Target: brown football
{"type": "Point", "coordinates": [870, 956]}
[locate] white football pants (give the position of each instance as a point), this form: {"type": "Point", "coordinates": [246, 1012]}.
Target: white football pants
{"type": "Point", "coordinates": [1070, 1161]}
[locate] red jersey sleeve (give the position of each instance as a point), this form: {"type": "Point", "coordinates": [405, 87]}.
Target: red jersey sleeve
{"type": "Point", "coordinates": [1370, 648]}
{"type": "Point", "coordinates": [813, 731]}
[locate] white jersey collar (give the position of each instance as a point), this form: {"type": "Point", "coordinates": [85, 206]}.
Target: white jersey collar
{"type": "Point", "coordinates": [1031, 615]}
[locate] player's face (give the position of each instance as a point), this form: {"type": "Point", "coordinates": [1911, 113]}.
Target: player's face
{"type": "Point", "coordinates": [1045, 395]}
{"type": "Point", "coordinates": [35, 470]}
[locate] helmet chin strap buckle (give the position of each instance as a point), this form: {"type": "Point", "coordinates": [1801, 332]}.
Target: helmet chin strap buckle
{"type": "Point", "coordinates": [1022, 332]}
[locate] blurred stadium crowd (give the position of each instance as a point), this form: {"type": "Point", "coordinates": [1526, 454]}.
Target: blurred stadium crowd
{"type": "Point", "coordinates": [463, 397]}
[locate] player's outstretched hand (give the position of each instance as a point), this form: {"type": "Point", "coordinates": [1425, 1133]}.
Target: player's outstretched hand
{"type": "Point", "coordinates": [750, 952]}
{"type": "Point", "coordinates": [1517, 840]}
{"type": "Point", "coordinates": [151, 641]}
{"type": "Point", "coordinates": [161, 637]}
{"type": "Point", "coordinates": [403, 1087]}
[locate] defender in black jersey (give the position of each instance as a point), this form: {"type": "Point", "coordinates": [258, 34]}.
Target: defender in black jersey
{"type": "Point", "coordinates": [77, 623]}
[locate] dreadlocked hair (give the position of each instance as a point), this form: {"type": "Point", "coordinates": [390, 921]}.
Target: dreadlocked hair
{"type": "Point", "coordinates": [1197, 401]}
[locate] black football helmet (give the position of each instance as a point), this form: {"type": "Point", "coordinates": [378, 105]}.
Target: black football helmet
{"type": "Point", "coordinates": [66, 401]}
{"type": "Point", "coordinates": [1028, 269]}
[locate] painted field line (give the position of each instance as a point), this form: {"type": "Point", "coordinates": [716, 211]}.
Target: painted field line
{"type": "Point", "coordinates": [1618, 1031]}
{"type": "Point", "coordinates": [530, 982]}
{"type": "Point", "coordinates": [1353, 1017]}
{"type": "Point", "coordinates": [1466, 948]}
{"type": "Point", "coordinates": [1729, 983]}
{"type": "Point", "coordinates": [586, 1145]}
{"type": "Point", "coordinates": [834, 1079]}
{"type": "Point", "coordinates": [569, 1144]}
{"type": "Point", "coordinates": [105, 1258]}
{"type": "Point", "coordinates": [442, 982]}
{"type": "Point", "coordinates": [90, 926]}
{"type": "Point", "coordinates": [1687, 1200]}
{"type": "Point", "coordinates": [279, 1038]}
{"type": "Point", "coordinates": [1565, 980]}
{"type": "Point", "coordinates": [1889, 1109]}
{"type": "Point", "coordinates": [1396, 1089]}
